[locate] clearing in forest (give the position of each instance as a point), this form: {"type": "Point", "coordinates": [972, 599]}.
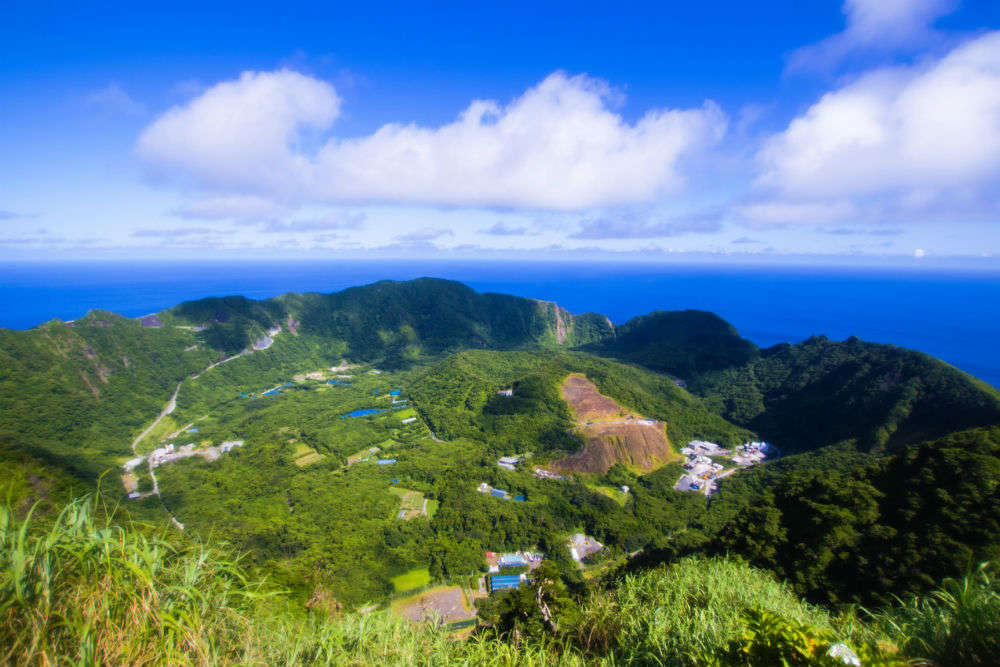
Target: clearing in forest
{"type": "Point", "coordinates": [412, 502]}
{"type": "Point", "coordinates": [412, 579]}
{"type": "Point", "coordinates": [611, 433]}
{"type": "Point", "coordinates": [305, 455]}
{"type": "Point", "coordinates": [363, 455]}
{"type": "Point", "coordinates": [445, 603]}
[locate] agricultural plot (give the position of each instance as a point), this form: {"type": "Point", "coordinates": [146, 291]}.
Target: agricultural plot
{"type": "Point", "coordinates": [412, 502]}
{"type": "Point", "coordinates": [363, 455]}
{"type": "Point", "coordinates": [445, 604]}
{"type": "Point", "coordinates": [306, 456]}
{"type": "Point", "coordinates": [410, 580]}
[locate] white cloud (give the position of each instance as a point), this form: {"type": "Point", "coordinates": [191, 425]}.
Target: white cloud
{"type": "Point", "coordinates": [558, 146]}
{"type": "Point", "coordinates": [244, 134]}
{"type": "Point", "coordinates": [876, 27]}
{"type": "Point", "coordinates": [897, 142]}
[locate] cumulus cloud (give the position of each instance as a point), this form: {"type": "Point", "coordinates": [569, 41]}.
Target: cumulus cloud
{"type": "Point", "coordinates": [244, 134]}
{"type": "Point", "coordinates": [876, 27]}
{"type": "Point", "coordinates": [904, 142]}
{"type": "Point", "coordinates": [560, 145]}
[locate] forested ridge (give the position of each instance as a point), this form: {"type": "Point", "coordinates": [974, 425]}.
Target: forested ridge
{"type": "Point", "coordinates": [887, 484]}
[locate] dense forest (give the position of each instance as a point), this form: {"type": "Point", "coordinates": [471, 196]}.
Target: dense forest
{"type": "Point", "coordinates": [369, 420]}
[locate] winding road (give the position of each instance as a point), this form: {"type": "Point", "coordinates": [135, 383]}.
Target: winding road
{"type": "Point", "coordinates": [172, 405]}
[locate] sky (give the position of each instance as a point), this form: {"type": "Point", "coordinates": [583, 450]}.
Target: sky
{"type": "Point", "coordinates": [863, 131]}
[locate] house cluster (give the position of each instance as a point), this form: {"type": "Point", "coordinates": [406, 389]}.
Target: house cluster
{"type": "Point", "coordinates": [703, 447]}
{"type": "Point", "coordinates": [171, 452]}
{"type": "Point", "coordinates": [547, 474]}
{"type": "Point", "coordinates": [750, 453]}
{"type": "Point", "coordinates": [702, 471]}
{"type": "Point", "coordinates": [509, 462]}
{"type": "Point", "coordinates": [499, 493]}
{"type": "Point", "coordinates": [581, 547]}
{"type": "Point", "coordinates": [528, 559]}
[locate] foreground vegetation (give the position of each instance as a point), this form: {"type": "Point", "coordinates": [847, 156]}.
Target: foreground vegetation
{"type": "Point", "coordinates": [79, 587]}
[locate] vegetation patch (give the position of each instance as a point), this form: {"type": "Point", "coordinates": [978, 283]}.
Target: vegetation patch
{"type": "Point", "coordinates": [415, 578]}
{"type": "Point", "coordinates": [412, 502]}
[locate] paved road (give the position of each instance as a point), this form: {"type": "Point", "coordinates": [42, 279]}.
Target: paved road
{"type": "Point", "coordinates": [170, 407]}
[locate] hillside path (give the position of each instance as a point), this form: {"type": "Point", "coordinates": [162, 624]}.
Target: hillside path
{"type": "Point", "coordinates": [170, 407]}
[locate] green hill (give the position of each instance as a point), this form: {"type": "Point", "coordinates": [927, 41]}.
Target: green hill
{"type": "Point", "coordinates": [459, 397]}
{"type": "Point", "coordinates": [821, 392]}
{"type": "Point", "coordinates": [684, 344]}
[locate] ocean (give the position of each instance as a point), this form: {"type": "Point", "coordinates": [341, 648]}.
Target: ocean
{"type": "Point", "coordinates": [951, 315]}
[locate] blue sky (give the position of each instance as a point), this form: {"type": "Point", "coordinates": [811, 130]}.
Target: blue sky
{"type": "Point", "coordinates": [865, 129]}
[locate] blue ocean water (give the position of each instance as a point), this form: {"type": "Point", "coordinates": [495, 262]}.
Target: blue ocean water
{"type": "Point", "coordinates": [951, 315]}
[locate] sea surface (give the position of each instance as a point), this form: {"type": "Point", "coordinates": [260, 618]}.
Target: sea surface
{"type": "Point", "coordinates": [949, 314]}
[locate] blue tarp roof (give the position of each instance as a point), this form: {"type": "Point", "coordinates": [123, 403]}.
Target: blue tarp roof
{"type": "Point", "coordinates": [386, 462]}
{"type": "Point", "coordinates": [395, 392]}
{"type": "Point", "coordinates": [500, 581]}
{"type": "Point", "coordinates": [499, 493]}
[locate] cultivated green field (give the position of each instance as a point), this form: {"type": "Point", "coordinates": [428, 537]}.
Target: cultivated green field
{"type": "Point", "coordinates": [412, 579]}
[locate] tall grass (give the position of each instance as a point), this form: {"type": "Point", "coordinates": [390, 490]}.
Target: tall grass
{"type": "Point", "coordinates": [695, 607]}
{"type": "Point", "coordinates": [956, 625]}
{"type": "Point", "coordinates": [77, 589]}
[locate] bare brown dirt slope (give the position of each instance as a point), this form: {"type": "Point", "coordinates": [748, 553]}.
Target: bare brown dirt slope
{"type": "Point", "coordinates": [611, 433]}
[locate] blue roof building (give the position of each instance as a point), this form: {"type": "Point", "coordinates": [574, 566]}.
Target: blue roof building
{"type": "Point", "coordinates": [499, 493]}
{"type": "Point", "coordinates": [395, 392]}
{"type": "Point", "coordinates": [501, 581]}
{"type": "Point", "coordinates": [386, 462]}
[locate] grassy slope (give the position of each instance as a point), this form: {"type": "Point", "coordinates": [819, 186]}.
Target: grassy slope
{"type": "Point", "coordinates": [85, 590]}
